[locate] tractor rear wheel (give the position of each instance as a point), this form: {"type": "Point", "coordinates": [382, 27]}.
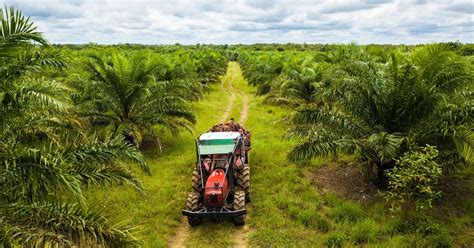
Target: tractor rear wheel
{"type": "Point", "coordinates": [192, 204]}
{"type": "Point", "coordinates": [197, 181]}
{"type": "Point", "coordinates": [243, 182]}
{"type": "Point", "coordinates": [239, 203]}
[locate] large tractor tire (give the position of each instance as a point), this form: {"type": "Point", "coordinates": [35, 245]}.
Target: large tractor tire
{"type": "Point", "coordinates": [192, 204]}
{"type": "Point", "coordinates": [239, 203]}
{"type": "Point", "coordinates": [197, 184]}
{"type": "Point", "coordinates": [243, 182]}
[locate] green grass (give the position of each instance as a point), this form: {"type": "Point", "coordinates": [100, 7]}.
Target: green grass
{"type": "Point", "coordinates": [335, 239]}
{"type": "Point", "coordinates": [366, 231]}
{"type": "Point", "coordinates": [286, 210]}
{"type": "Point", "coordinates": [346, 211]}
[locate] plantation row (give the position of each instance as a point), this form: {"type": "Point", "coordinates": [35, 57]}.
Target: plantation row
{"type": "Point", "coordinates": [74, 118]}
{"type": "Point", "coordinates": [404, 113]}
{"type": "Point", "coordinates": [381, 105]}
{"type": "Point", "coordinates": [352, 100]}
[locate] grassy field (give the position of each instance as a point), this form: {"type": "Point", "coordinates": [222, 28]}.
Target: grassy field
{"type": "Point", "coordinates": [287, 210]}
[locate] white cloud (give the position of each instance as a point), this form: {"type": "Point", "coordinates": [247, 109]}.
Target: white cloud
{"type": "Point", "coordinates": [251, 21]}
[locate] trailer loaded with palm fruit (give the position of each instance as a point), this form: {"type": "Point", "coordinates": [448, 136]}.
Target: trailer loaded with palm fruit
{"type": "Point", "coordinates": [221, 179]}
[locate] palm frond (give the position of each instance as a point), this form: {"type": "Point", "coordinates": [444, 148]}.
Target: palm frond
{"type": "Point", "coordinates": [330, 120]}
{"type": "Point", "coordinates": [31, 61]}
{"type": "Point", "coordinates": [39, 94]}
{"type": "Point", "coordinates": [464, 142]}
{"type": "Point", "coordinates": [16, 30]}
{"type": "Point", "coordinates": [33, 175]}
{"type": "Point", "coordinates": [105, 173]}
{"type": "Point", "coordinates": [98, 151]}
{"type": "Point", "coordinates": [72, 225]}
{"type": "Point", "coordinates": [383, 147]}
{"type": "Point", "coordinates": [319, 143]}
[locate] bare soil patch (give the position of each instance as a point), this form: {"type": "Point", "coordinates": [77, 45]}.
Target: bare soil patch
{"type": "Point", "coordinates": [456, 191]}
{"type": "Point", "coordinates": [343, 179]}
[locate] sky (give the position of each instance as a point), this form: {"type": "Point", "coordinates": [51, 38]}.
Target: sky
{"type": "Point", "coordinates": [251, 21]}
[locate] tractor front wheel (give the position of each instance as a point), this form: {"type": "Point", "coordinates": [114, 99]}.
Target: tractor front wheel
{"type": "Point", "coordinates": [239, 203]}
{"type": "Point", "coordinates": [192, 204]}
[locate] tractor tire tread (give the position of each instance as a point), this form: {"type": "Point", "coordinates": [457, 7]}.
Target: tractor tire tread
{"type": "Point", "coordinates": [192, 204]}
{"type": "Point", "coordinates": [196, 181]}
{"type": "Point", "coordinates": [239, 203]}
{"type": "Point", "coordinates": [243, 182]}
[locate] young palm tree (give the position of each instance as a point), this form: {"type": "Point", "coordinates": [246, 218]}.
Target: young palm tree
{"type": "Point", "coordinates": [209, 66]}
{"type": "Point", "coordinates": [45, 156]}
{"type": "Point", "coordinates": [130, 98]}
{"type": "Point", "coordinates": [261, 70]}
{"type": "Point", "coordinates": [302, 81]}
{"type": "Point", "coordinates": [382, 108]}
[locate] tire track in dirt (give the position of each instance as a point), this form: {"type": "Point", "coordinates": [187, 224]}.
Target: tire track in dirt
{"type": "Point", "coordinates": [230, 89]}
{"type": "Point", "coordinates": [240, 234]}
{"type": "Point", "coordinates": [182, 234]}
{"type": "Point", "coordinates": [245, 108]}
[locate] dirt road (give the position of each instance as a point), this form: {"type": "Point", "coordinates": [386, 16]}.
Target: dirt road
{"type": "Point", "coordinates": [233, 74]}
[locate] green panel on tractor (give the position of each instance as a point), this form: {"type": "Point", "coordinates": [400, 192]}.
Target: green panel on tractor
{"type": "Point", "coordinates": [216, 149]}
{"type": "Point", "coordinates": [218, 142]}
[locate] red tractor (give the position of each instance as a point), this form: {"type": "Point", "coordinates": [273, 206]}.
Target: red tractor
{"type": "Point", "coordinates": [221, 179]}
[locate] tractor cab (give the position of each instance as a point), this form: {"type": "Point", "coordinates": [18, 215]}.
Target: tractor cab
{"type": "Point", "coordinates": [219, 147]}
{"type": "Point", "coordinates": [221, 156]}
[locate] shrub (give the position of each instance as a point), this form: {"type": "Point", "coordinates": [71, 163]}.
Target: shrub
{"type": "Point", "coordinates": [365, 231]}
{"type": "Point", "coordinates": [347, 211]}
{"type": "Point", "coordinates": [412, 180]}
{"type": "Point", "coordinates": [335, 239]}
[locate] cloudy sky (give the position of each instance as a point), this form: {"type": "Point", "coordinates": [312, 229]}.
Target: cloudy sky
{"type": "Point", "coordinates": [251, 21]}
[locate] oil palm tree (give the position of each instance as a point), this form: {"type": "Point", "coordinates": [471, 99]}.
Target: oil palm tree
{"type": "Point", "coordinates": [130, 98]}
{"type": "Point", "coordinates": [302, 81]}
{"type": "Point", "coordinates": [209, 66]}
{"type": "Point", "coordinates": [380, 109]}
{"type": "Point", "coordinates": [46, 157]}
{"type": "Point", "coordinates": [262, 69]}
